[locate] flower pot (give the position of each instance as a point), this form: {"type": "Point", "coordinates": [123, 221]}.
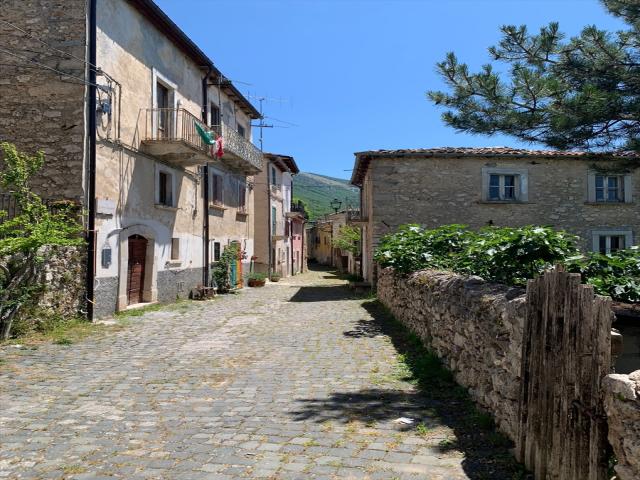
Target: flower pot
{"type": "Point", "coordinates": [256, 283]}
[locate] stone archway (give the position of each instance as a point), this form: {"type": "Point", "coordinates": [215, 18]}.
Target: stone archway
{"type": "Point", "coordinates": [150, 282]}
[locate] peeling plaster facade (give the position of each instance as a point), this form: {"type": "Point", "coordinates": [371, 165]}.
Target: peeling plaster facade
{"type": "Point", "coordinates": [150, 182]}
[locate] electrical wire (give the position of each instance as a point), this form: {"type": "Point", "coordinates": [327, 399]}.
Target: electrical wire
{"type": "Point", "coordinates": [67, 55]}
{"type": "Point", "coordinates": [47, 67]}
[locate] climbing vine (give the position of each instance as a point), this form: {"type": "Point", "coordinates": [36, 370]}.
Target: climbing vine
{"type": "Point", "coordinates": [24, 235]}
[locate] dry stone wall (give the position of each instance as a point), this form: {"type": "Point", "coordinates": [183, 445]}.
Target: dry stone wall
{"type": "Point", "coordinates": [41, 109]}
{"type": "Point", "coordinates": [63, 279]}
{"type": "Point", "coordinates": [476, 328]}
{"type": "Point", "coordinates": [622, 404]}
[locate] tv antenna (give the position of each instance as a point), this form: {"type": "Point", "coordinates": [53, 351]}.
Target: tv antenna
{"type": "Point", "coordinates": [262, 125]}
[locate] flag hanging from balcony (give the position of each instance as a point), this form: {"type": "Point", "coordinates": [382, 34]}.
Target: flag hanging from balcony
{"type": "Point", "coordinates": [219, 151]}
{"type": "Point", "coordinates": [207, 136]}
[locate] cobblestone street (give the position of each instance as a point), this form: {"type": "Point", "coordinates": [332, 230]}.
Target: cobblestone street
{"type": "Point", "coordinates": [294, 380]}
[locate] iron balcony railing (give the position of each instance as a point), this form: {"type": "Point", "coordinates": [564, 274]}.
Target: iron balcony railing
{"type": "Point", "coordinates": [174, 124]}
{"type": "Point", "coordinates": [239, 146]}
{"type": "Point", "coordinates": [179, 125]}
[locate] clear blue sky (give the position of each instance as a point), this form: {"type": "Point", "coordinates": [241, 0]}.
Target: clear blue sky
{"type": "Point", "coordinates": [354, 73]}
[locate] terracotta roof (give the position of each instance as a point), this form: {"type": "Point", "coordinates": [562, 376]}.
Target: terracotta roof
{"type": "Point", "coordinates": [363, 158]}
{"type": "Point", "coordinates": [283, 162]}
{"type": "Point", "coordinates": [162, 22]}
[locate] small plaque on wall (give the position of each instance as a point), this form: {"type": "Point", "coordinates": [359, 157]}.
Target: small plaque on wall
{"type": "Point", "coordinates": [105, 206]}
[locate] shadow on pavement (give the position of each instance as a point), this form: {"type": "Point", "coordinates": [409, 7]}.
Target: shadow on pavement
{"type": "Point", "coordinates": [322, 294]}
{"type": "Point", "coordinates": [437, 400]}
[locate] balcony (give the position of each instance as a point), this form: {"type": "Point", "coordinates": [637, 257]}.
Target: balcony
{"type": "Point", "coordinates": [239, 153]}
{"type": "Point", "coordinates": [170, 134]}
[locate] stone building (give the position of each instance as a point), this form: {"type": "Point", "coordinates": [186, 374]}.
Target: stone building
{"type": "Point", "coordinates": [594, 196]}
{"type": "Point", "coordinates": [274, 249]}
{"type": "Point", "coordinates": [321, 241]}
{"type": "Point", "coordinates": [161, 202]}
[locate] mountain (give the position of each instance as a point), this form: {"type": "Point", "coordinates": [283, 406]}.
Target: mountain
{"type": "Point", "coordinates": [317, 192]}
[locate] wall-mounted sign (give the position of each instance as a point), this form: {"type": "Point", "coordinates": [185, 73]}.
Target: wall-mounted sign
{"type": "Point", "coordinates": [105, 206]}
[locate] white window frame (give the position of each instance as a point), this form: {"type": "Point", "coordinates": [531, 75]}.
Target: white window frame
{"type": "Point", "coordinates": [521, 184]}
{"type": "Point", "coordinates": [621, 232]}
{"type": "Point", "coordinates": [626, 185]}
{"type": "Point", "coordinates": [156, 78]}
{"type": "Point", "coordinates": [174, 191]}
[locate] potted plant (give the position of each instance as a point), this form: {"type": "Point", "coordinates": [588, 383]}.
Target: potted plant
{"type": "Point", "coordinates": [275, 277]}
{"type": "Point", "coordinates": [257, 279]}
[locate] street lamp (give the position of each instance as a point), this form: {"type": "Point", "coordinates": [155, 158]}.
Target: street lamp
{"type": "Point", "coordinates": [335, 204]}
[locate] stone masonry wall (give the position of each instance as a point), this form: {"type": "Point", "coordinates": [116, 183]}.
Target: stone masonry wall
{"type": "Point", "coordinates": [40, 109]}
{"type": "Point", "coordinates": [64, 281]}
{"type": "Point", "coordinates": [622, 404]}
{"type": "Point", "coordinates": [476, 329]}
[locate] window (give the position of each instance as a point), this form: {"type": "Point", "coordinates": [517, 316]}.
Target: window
{"type": "Point", "coordinates": [609, 188]}
{"type": "Point", "coordinates": [175, 248]}
{"type": "Point", "coordinates": [165, 188]}
{"type": "Point", "coordinates": [216, 251]}
{"type": "Point", "coordinates": [286, 228]}
{"type": "Point", "coordinates": [603, 188]}
{"type": "Point", "coordinates": [164, 103]}
{"type": "Point", "coordinates": [242, 196]}
{"type": "Point", "coordinates": [241, 130]}
{"type": "Point", "coordinates": [273, 176]}
{"type": "Point", "coordinates": [215, 115]}
{"type": "Point", "coordinates": [217, 188]}
{"type": "Point", "coordinates": [608, 241]}
{"type": "Point", "coordinates": [504, 185]}
{"type": "Point", "coordinates": [273, 220]}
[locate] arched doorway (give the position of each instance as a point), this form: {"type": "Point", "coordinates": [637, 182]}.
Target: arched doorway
{"type": "Point", "coordinates": [136, 268]}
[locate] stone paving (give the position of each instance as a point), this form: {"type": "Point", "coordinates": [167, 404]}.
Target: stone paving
{"type": "Point", "coordinates": [292, 380]}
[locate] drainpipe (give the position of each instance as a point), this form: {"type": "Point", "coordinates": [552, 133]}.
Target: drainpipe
{"type": "Point", "coordinates": [205, 186]}
{"type": "Point", "coordinates": [269, 239]}
{"type": "Point", "coordinates": [91, 186]}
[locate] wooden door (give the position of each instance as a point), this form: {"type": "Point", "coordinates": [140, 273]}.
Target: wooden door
{"type": "Point", "coordinates": [135, 270]}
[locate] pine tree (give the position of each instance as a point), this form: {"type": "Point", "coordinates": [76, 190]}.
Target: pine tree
{"type": "Point", "coordinates": [581, 92]}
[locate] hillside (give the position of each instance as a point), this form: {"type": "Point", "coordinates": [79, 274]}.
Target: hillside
{"type": "Point", "coordinates": [317, 192]}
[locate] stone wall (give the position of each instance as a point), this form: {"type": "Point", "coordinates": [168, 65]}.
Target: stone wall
{"type": "Point", "coordinates": [41, 109]}
{"type": "Point", "coordinates": [476, 329]}
{"type": "Point", "coordinates": [622, 404]}
{"type": "Point", "coordinates": [64, 281]}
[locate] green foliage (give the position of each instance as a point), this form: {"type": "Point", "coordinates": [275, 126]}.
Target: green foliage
{"type": "Point", "coordinates": [35, 226]}
{"type": "Point", "coordinates": [257, 276]}
{"type": "Point", "coordinates": [348, 239]}
{"type": "Point", "coordinates": [22, 237]}
{"type": "Point", "coordinates": [501, 254]}
{"type": "Point", "coordinates": [616, 275]}
{"type": "Point", "coordinates": [221, 270]}
{"type": "Point", "coordinates": [510, 256]}
{"type": "Point", "coordinates": [579, 92]}
{"type": "Point", "coordinates": [317, 191]}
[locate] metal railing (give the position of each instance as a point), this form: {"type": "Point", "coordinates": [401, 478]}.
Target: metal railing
{"type": "Point", "coordinates": [174, 124]}
{"type": "Point", "coordinates": [240, 147]}
{"type": "Point", "coordinates": [178, 124]}
{"type": "Point", "coordinates": [11, 209]}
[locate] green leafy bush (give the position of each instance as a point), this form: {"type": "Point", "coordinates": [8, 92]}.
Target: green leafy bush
{"type": "Point", "coordinates": [509, 255]}
{"type": "Point", "coordinates": [257, 276]}
{"type": "Point", "coordinates": [616, 275]}
{"type": "Point", "coordinates": [222, 269]}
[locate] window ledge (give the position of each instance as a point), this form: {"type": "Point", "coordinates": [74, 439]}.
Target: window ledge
{"type": "Point", "coordinates": [217, 206]}
{"type": "Point", "coordinates": [173, 263]}
{"type": "Point", "coordinates": [608, 204]}
{"type": "Point", "coordinates": [244, 214]}
{"type": "Point", "coordinates": [166, 207]}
